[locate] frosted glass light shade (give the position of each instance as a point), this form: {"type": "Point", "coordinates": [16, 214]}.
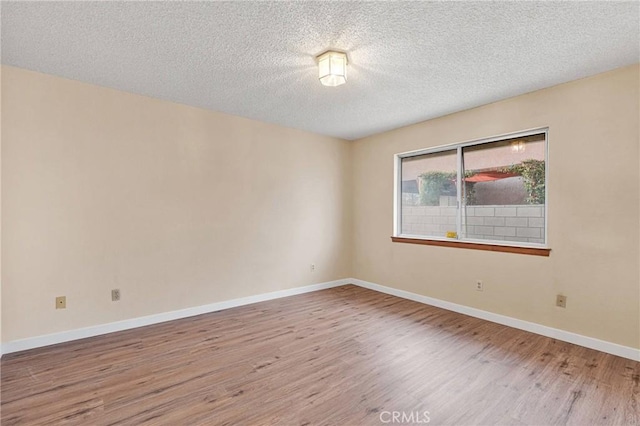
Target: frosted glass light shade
{"type": "Point", "coordinates": [332, 68]}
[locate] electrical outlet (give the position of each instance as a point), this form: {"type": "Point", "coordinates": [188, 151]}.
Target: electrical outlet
{"type": "Point", "coordinates": [479, 285]}
{"type": "Point", "coordinates": [561, 301]}
{"type": "Point", "coordinates": [313, 267]}
{"type": "Point", "coordinates": [115, 295]}
{"type": "Point", "coordinates": [61, 302]}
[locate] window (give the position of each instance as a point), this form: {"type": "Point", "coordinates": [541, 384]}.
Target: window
{"type": "Point", "coordinates": [488, 192]}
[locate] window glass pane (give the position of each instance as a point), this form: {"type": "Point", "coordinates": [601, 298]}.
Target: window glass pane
{"type": "Point", "coordinates": [428, 206]}
{"type": "Point", "coordinates": [504, 190]}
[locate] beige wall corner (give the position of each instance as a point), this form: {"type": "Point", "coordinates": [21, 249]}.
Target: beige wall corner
{"type": "Point", "coordinates": [173, 205]}
{"type": "Point", "coordinates": [594, 212]}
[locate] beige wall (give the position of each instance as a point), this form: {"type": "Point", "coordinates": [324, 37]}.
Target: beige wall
{"type": "Point", "coordinates": [593, 159]}
{"type": "Point", "coordinates": [175, 206]}
{"type": "Point", "coordinates": [180, 207]}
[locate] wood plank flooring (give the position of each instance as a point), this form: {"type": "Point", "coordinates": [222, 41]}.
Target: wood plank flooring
{"type": "Point", "coordinates": [344, 356]}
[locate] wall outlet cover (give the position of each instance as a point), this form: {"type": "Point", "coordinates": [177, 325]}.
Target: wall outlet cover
{"type": "Point", "coordinates": [61, 302]}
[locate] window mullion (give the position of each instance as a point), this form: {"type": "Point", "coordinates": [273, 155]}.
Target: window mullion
{"type": "Point", "coordinates": [459, 193]}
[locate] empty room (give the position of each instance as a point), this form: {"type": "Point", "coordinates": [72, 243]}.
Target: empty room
{"type": "Point", "coordinates": [320, 213]}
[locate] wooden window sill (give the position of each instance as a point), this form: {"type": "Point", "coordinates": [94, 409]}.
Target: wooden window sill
{"type": "Point", "coordinates": [474, 246]}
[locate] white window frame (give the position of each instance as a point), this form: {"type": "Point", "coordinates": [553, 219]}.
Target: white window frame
{"type": "Point", "coordinates": [397, 198]}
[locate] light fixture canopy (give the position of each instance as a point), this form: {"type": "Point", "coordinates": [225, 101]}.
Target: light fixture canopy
{"type": "Point", "coordinates": [332, 68]}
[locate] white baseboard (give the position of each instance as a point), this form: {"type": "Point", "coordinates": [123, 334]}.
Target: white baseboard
{"type": "Point", "coordinates": [81, 333]}
{"type": "Point", "coordinates": [566, 336]}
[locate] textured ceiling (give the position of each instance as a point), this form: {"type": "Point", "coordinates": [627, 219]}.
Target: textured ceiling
{"type": "Point", "coordinates": [409, 61]}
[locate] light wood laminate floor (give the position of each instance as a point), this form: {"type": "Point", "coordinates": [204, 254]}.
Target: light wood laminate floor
{"type": "Point", "coordinates": [344, 356]}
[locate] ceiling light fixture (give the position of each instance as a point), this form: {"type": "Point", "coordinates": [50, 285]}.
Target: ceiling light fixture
{"type": "Point", "coordinates": [332, 68]}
